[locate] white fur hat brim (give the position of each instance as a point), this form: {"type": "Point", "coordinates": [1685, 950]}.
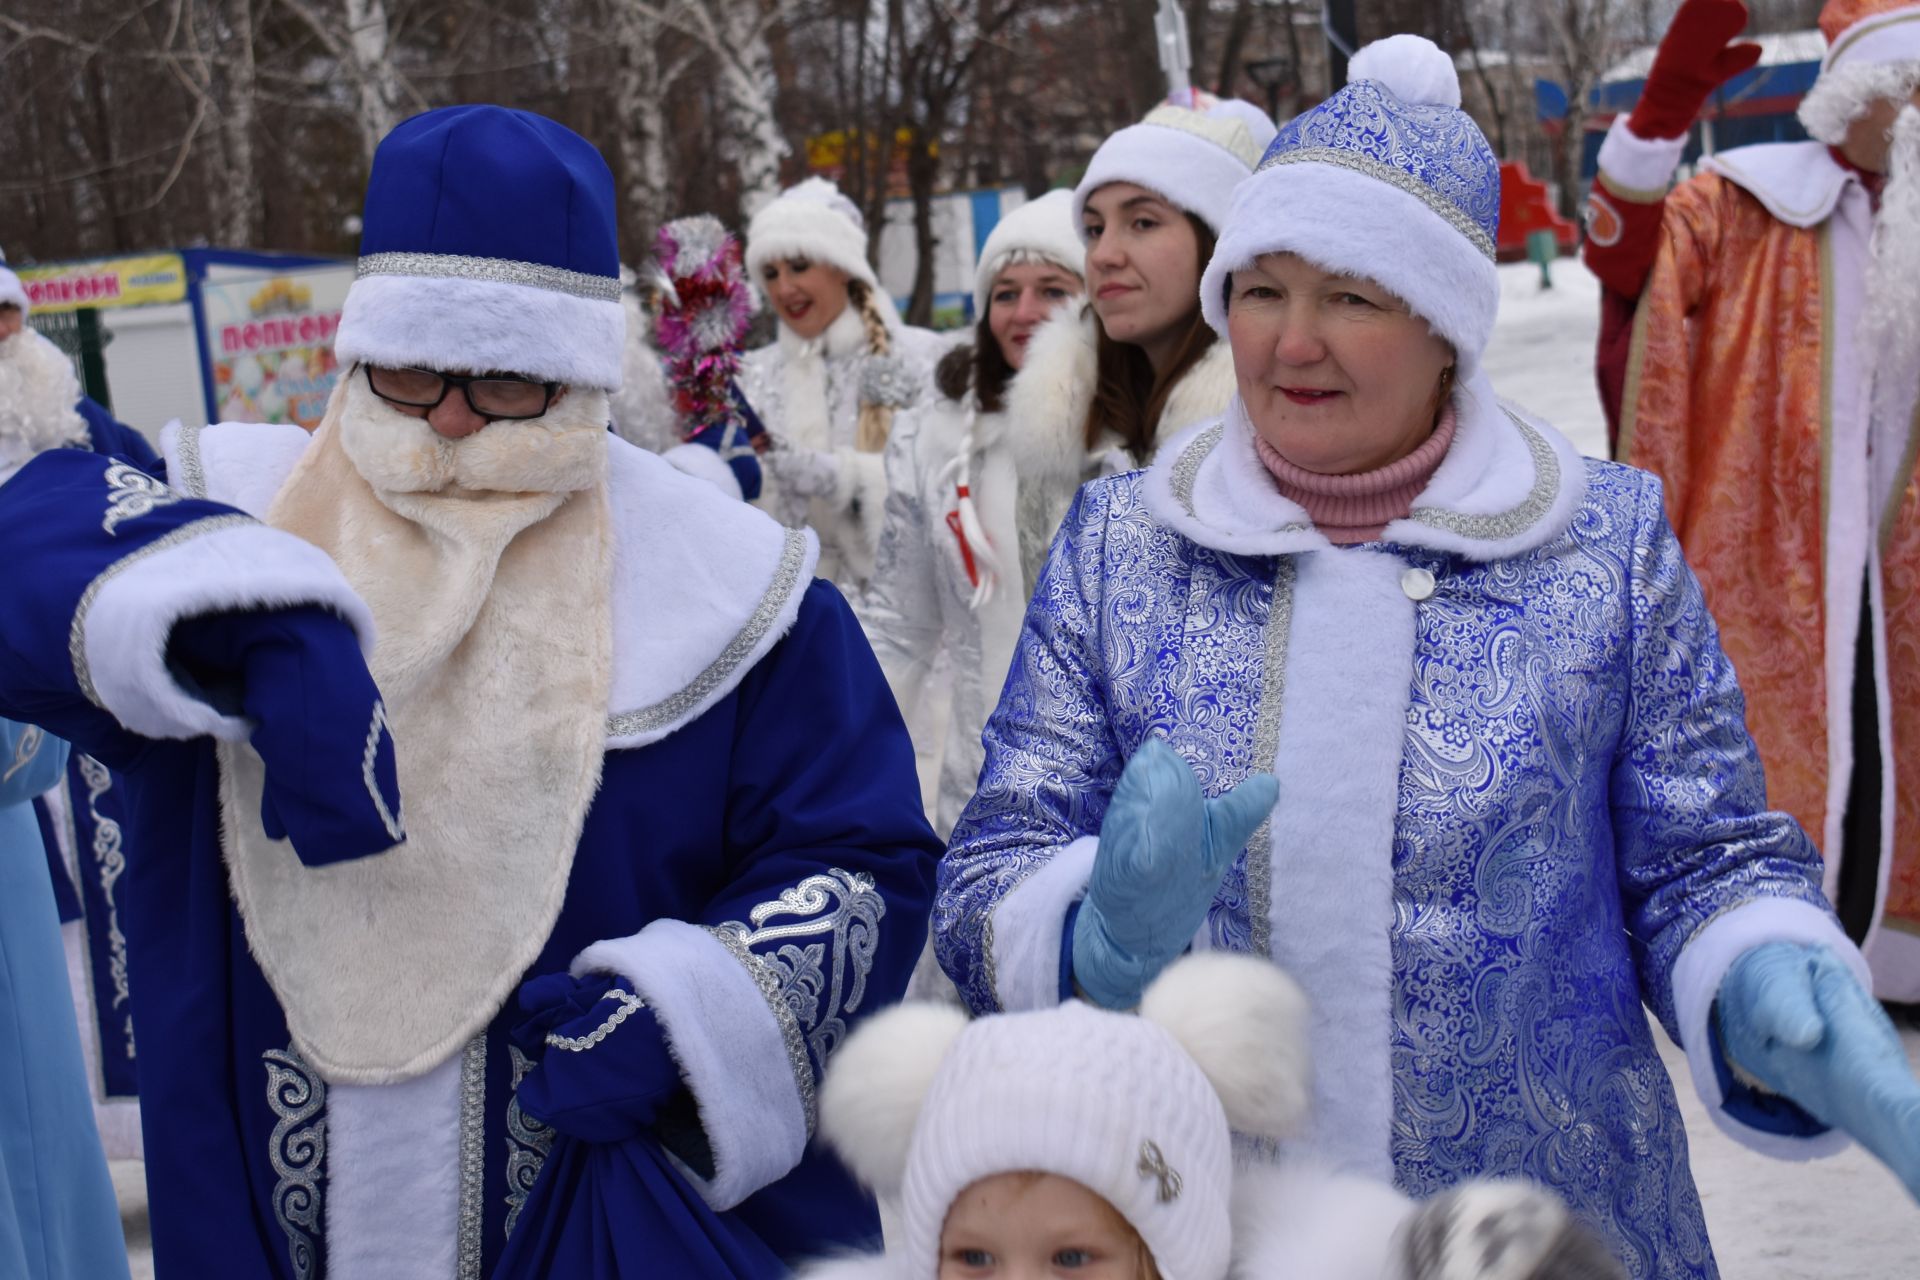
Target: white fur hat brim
{"type": "Point", "coordinates": [482, 326]}
{"type": "Point", "coordinates": [1046, 228]}
{"type": "Point", "coordinates": [1186, 170]}
{"type": "Point", "coordinates": [12, 291]}
{"type": "Point", "coordinates": [1344, 221]}
{"type": "Point", "coordinates": [796, 228]}
{"type": "Point", "coordinates": [1891, 35]}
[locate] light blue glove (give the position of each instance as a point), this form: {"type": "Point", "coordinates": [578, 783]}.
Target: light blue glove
{"type": "Point", "coordinates": [1793, 1018]}
{"type": "Point", "coordinates": [1164, 848]}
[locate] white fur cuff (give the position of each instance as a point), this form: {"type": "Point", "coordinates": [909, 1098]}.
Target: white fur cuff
{"type": "Point", "coordinates": [1636, 168]}
{"type": "Point", "coordinates": [1697, 976]}
{"type": "Point", "coordinates": [730, 1048]}
{"type": "Point", "coordinates": [217, 565]}
{"type": "Point", "coordinates": [706, 464]}
{"type": "Point", "coordinates": [482, 326]}
{"type": "Point", "coordinates": [1025, 936]}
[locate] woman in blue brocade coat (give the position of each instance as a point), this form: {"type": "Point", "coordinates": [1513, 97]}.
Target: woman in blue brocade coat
{"type": "Point", "coordinates": [1516, 798]}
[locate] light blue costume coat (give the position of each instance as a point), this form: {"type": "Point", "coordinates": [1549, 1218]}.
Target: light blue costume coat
{"type": "Point", "coordinates": [1517, 799]}
{"type": "Point", "coordinates": [58, 1219]}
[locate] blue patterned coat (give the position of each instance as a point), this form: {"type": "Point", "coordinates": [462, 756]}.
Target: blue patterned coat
{"type": "Point", "coordinates": [1517, 800]}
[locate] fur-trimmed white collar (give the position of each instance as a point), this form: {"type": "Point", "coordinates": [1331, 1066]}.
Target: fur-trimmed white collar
{"type": "Point", "coordinates": [703, 586]}
{"type": "Point", "coordinates": [1048, 401]}
{"type": "Point", "coordinates": [846, 336]}
{"type": "Point", "coordinates": [1508, 485]}
{"type": "Point", "coordinates": [1798, 182]}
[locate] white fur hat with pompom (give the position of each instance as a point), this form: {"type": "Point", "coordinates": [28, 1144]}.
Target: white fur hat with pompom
{"type": "Point", "coordinates": [1139, 1109]}
{"type": "Point", "coordinates": [1191, 157]}
{"type": "Point", "coordinates": [813, 220]}
{"type": "Point", "coordinates": [1388, 180]}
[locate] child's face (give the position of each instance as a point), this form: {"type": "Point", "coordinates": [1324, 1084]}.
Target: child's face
{"type": "Point", "coordinates": [1036, 1226]}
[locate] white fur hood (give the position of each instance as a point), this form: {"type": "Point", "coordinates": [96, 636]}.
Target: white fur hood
{"type": "Point", "coordinates": [704, 585]}
{"type": "Point", "coordinates": [1048, 401]}
{"type": "Point", "coordinates": [1508, 485]}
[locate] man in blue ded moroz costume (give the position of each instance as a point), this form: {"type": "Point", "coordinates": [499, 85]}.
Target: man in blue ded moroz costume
{"type": "Point", "coordinates": [457, 694]}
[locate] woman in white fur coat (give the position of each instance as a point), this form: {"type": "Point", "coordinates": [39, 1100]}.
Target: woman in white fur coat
{"type": "Point", "coordinates": [828, 386]}
{"type": "Point", "coordinates": [1376, 676]}
{"type": "Point", "coordinates": [947, 581]}
{"type": "Point", "coordinates": [1103, 385]}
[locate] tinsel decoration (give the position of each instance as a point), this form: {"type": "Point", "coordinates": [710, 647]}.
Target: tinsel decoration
{"type": "Point", "coordinates": [702, 305]}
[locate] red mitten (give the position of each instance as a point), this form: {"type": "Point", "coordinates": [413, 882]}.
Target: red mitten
{"type": "Point", "coordinates": [1694, 60]}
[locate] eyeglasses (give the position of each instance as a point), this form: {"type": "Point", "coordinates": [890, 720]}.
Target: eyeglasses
{"type": "Point", "coordinates": [492, 396]}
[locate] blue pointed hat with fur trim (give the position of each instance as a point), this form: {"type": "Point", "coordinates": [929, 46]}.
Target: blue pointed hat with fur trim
{"type": "Point", "coordinates": [488, 246]}
{"type": "Point", "coordinates": [1388, 180]}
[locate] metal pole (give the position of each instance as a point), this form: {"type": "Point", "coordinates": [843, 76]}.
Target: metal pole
{"type": "Point", "coordinates": [1343, 40]}
{"type": "Point", "coordinates": [93, 368]}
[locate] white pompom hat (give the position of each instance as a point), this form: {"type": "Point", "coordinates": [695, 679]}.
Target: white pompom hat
{"type": "Point", "coordinates": [1044, 229]}
{"type": "Point", "coordinates": [1191, 158]}
{"type": "Point", "coordinates": [1140, 1110]}
{"type": "Point", "coordinates": [1387, 180]}
{"type": "Point", "coordinates": [815, 221]}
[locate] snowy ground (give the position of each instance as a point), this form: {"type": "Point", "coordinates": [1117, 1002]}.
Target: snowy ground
{"type": "Point", "coordinates": [1839, 1219]}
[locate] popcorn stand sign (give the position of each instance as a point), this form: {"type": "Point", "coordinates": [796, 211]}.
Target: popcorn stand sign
{"type": "Point", "coordinates": [269, 341]}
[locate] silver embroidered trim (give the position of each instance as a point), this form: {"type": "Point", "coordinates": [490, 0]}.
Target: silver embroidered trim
{"type": "Point", "coordinates": [888, 381]}
{"type": "Point", "coordinates": [1186, 468]}
{"type": "Point", "coordinates": [132, 493]}
{"type": "Point", "coordinates": [110, 863]}
{"type": "Point", "coordinates": [453, 266]}
{"type": "Point", "coordinates": [473, 1158]}
{"type": "Point", "coordinates": [31, 737]}
{"type": "Point", "coordinates": [297, 1150]}
{"type": "Point", "coordinates": [1455, 217]}
{"type": "Point", "coordinates": [77, 632]}
{"type": "Point", "coordinates": [667, 711]}
{"type": "Point", "coordinates": [1266, 750]}
{"type": "Point", "coordinates": [1517, 519]}
{"type": "Point", "coordinates": [368, 757]}
{"type": "Point", "coordinates": [790, 1033]}
{"type": "Point", "coordinates": [580, 1044]}
{"type": "Point", "coordinates": [528, 1143]}
{"type": "Point", "coordinates": [193, 475]}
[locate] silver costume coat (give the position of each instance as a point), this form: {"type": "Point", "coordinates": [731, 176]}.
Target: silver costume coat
{"type": "Point", "coordinates": [1517, 799]}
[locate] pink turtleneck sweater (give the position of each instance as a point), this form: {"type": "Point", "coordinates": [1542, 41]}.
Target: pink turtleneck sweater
{"type": "Point", "coordinates": [1358, 508]}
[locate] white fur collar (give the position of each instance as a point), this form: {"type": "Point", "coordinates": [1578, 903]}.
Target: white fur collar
{"type": "Point", "coordinates": [846, 336]}
{"type": "Point", "coordinates": [1509, 484]}
{"type": "Point", "coordinates": [1048, 401]}
{"type": "Point", "coordinates": [1798, 182]}
{"type": "Point", "coordinates": [703, 586]}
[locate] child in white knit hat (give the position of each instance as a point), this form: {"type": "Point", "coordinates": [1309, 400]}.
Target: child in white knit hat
{"type": "Point", "coordinates": [1071, 1137]}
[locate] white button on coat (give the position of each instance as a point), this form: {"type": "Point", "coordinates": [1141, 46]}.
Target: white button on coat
{"type": "Point", "coordinates": [1417, 583]}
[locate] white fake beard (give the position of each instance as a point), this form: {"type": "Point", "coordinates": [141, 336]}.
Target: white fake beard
{"type": "Point", "coordinates": [38, 391]}
{"type": "Point", "coordinates": [564, 451]}
{"type": "Point", "coordinates": [1890, 325]}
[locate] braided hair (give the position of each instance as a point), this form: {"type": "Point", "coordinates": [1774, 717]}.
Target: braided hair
{"type": "Point", "coordinates": [876, 419]}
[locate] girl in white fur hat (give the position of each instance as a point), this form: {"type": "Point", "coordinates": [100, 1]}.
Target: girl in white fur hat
{"type": "Point", "coordinates": [828, 386]}
{"type": "Point", "coordinates": [1102, 387]}
{"type": "Point", "coordinates": [947, 580]}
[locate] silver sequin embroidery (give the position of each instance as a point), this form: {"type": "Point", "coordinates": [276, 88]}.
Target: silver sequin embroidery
{"type": "Point", "coordinates": [1516, 519]}
{"type": "Point", "coordinates": [1186, 469]}
{"type": "Point", "coordinates": [528, 1143]}
{"type": "Point", "coordinates": [132, 493]}
{"type": "Point", "coordinates": [668, 710]}
{"type": "Point", "coordinates": [193, 475]}
{"type": "Point", "coordinates": [451, 266]}
{"type": "Point", "coordinates": [297, 1152]}
{"type": "Point", "coordinates": [628, 1003]}
{"type": "Point", "coordinates": [110, 862]}
{"type": "Point", "coordinates": [1446, 209]}
{"type": "Point", "coordinates": [368, 758]}
{"type": "Point", "coordinates": [1266, 749]}
{"type": "Point", "coordinates": [31, 738]}
{"type": "Point", "coordinates": [473, 1158]}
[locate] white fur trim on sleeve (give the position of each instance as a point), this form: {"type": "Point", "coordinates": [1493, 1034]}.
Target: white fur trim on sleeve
{"type": "Point", "coordinates": [1697, 976]}
{"type": "Point", "coordinates": [220, 564]}
{"type": "Point", "coordinates": [730, 1048]}
{"type": "Point", "coordinates": [1024, 933]}
{"type": "Point", "coordinates": [1638, 168]}
{"type": "Point", "coordinates": [703, 463]}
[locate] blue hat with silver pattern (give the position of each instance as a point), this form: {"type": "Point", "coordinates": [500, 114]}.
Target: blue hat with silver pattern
{"type": "Point", "coordinates": [489, 245]}
{"type": "Point", "coordinates": [1389, 181]}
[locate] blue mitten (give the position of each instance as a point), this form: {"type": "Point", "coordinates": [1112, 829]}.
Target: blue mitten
{"type": "Point", "coordinates": [1793, 1018]}
{"type": "Point", "coordinates": [604, 1073]}
{"type": "Point", "coordinates": [1164, 848]}
{"type": "Point", "coordinates": [318, 724]}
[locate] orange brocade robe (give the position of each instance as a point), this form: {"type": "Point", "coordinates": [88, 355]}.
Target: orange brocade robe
{"type": "Point", "coordinates": [1729, 399]}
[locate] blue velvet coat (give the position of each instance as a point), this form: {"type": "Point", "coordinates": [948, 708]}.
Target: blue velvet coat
{"type": "Point", "coordinates": [1517, 801]}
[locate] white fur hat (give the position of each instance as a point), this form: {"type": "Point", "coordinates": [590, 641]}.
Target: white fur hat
{"type": "Point", "coordinates": [923, 1104]}
{"type": "Point", "coordinates": [11, 290]}
{"type": "Point", "coordinates": [1193, 159]}
{"type": "Point", "coordinates": [1042, 228]}
{"type": "Point", "coordinates": [1387, 180]}
{"type": "Point", "coordinates": [1873, 52]}
{"type": "Point", "coordinates": [811, 220]}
